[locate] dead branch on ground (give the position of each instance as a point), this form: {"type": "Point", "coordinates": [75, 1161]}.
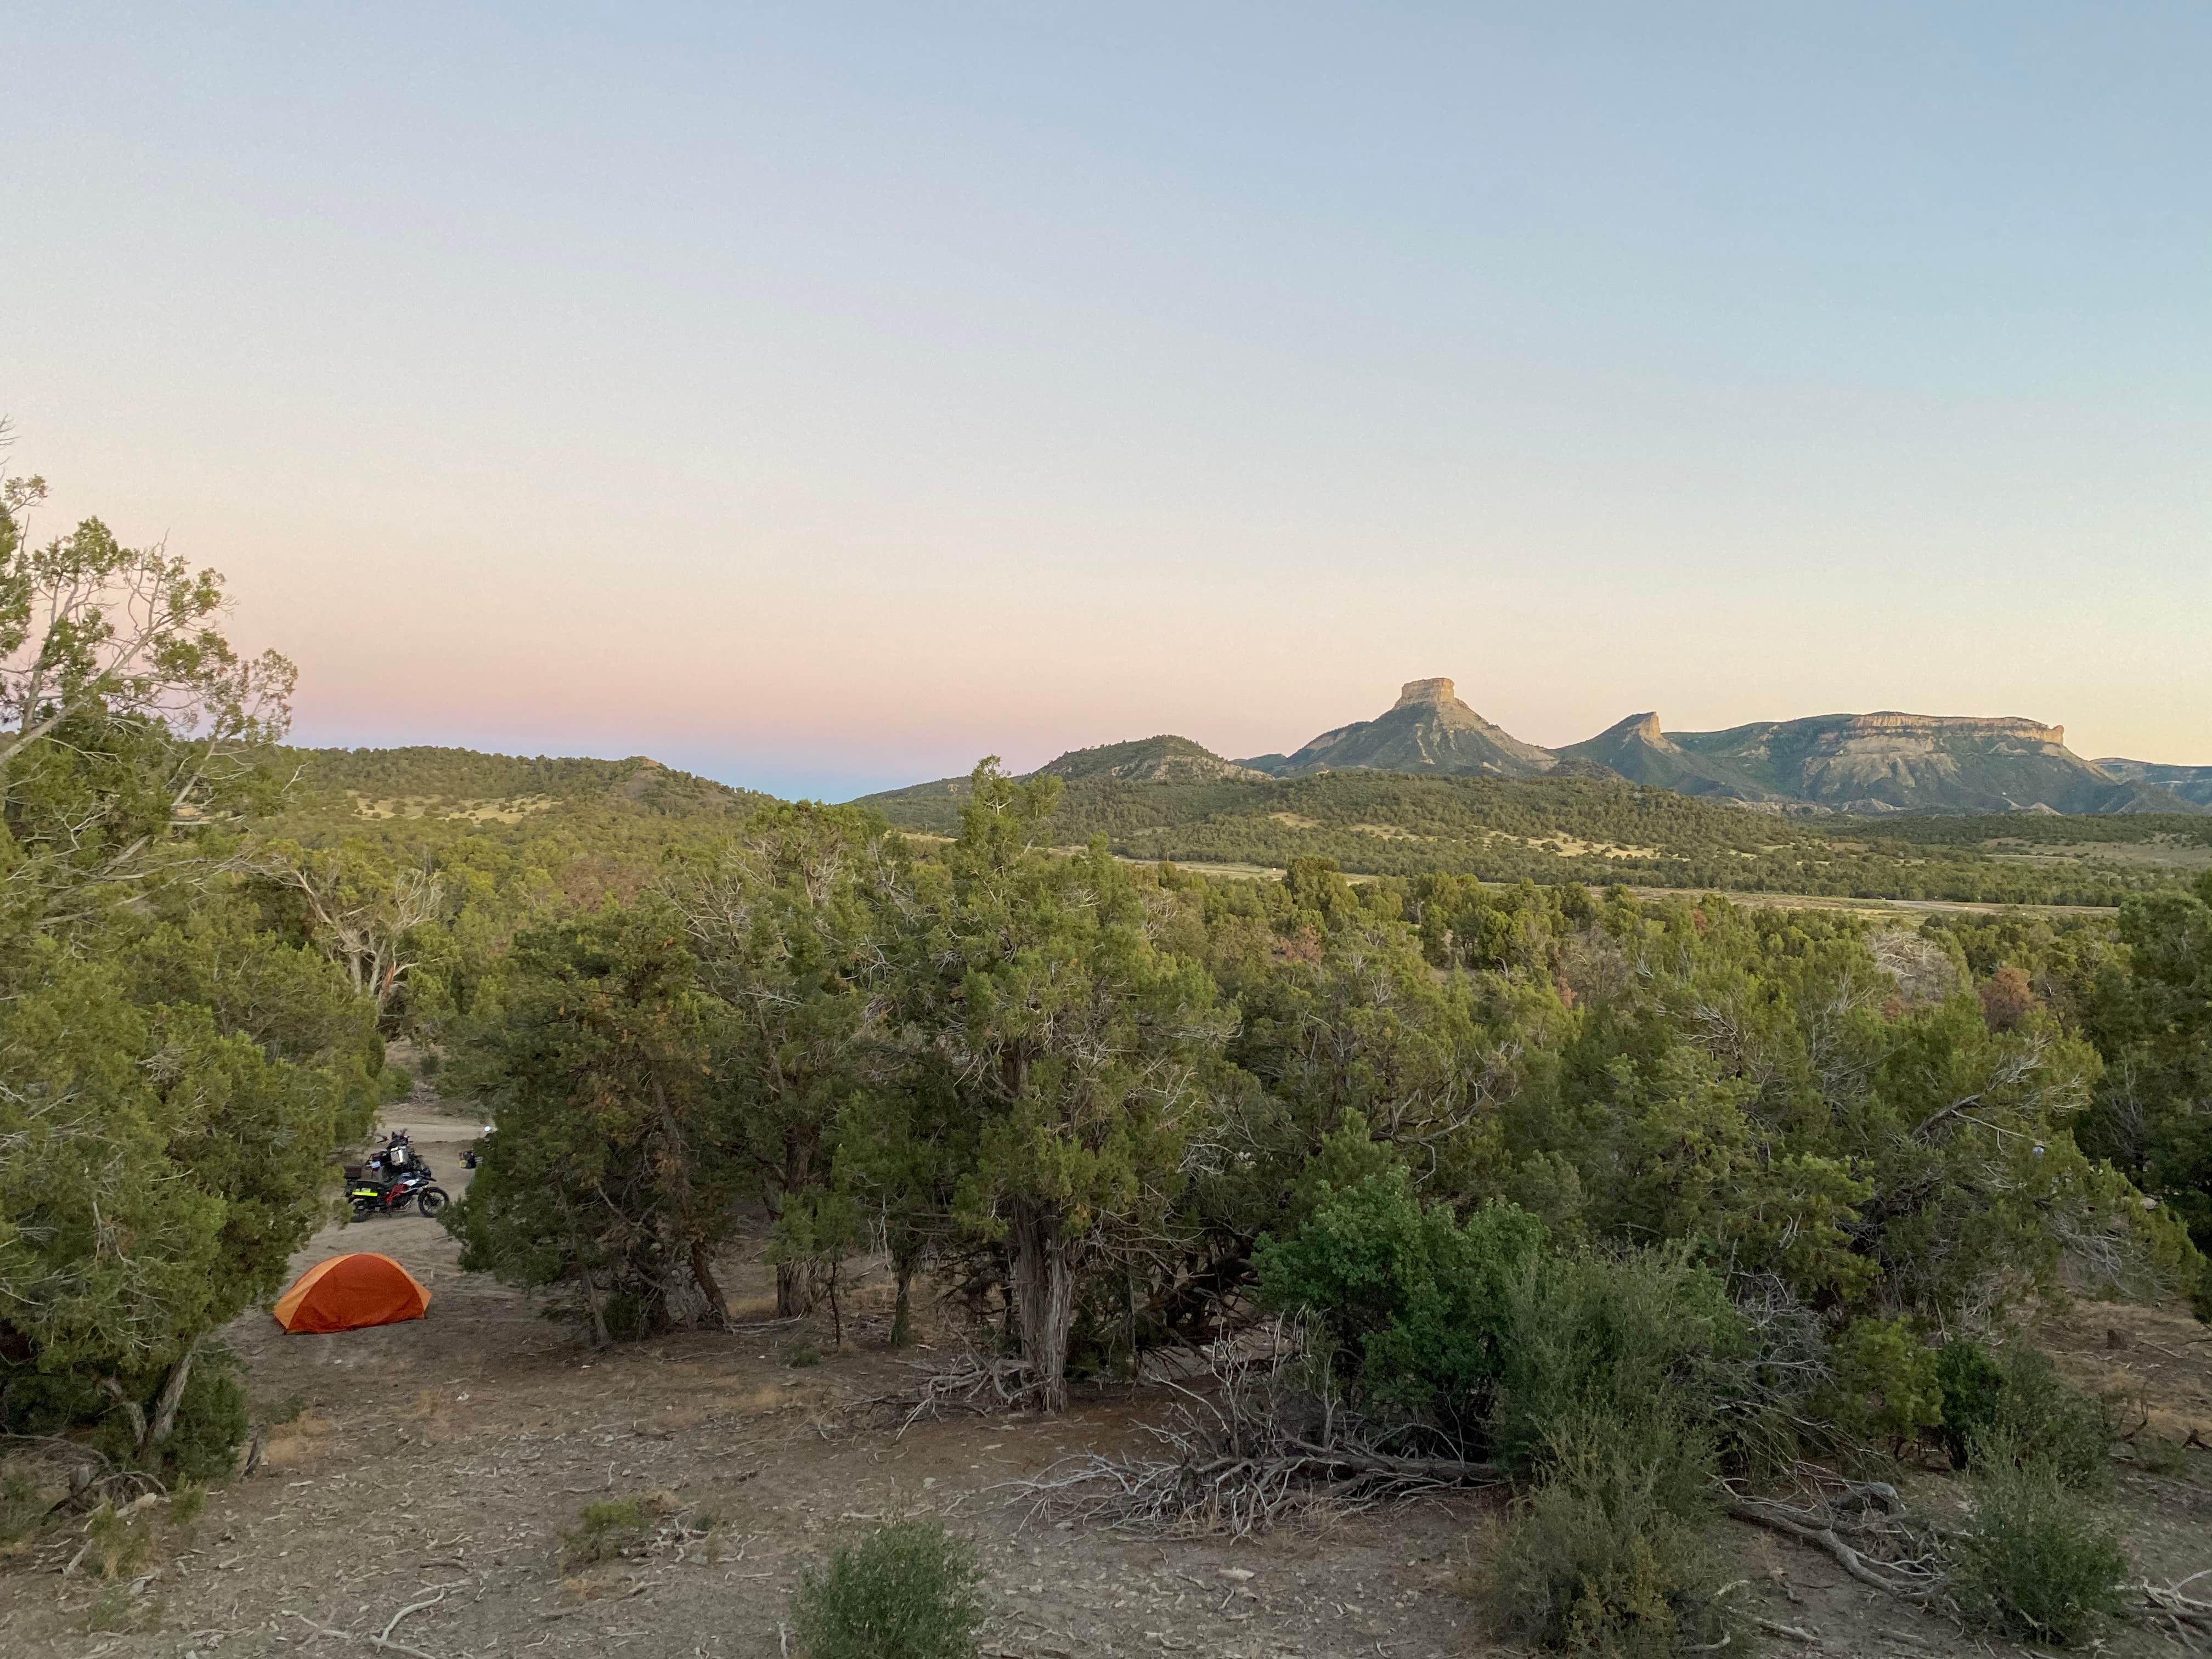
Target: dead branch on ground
{"type": "Point", "coordinates": [1264, 1445]}
{"type": "Point", "coordinates": [2165, 1604]}
{"type": "Point", "coordinates": [1863, 1526]}
{"type": "Point", "coordinates": [93, 1477]}
{"type": "Point", "coordinates": [383, 1643]}
{"type": "Point", "coordinates": [974, 1384]}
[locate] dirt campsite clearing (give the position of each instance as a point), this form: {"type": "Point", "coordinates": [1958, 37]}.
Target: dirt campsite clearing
{"type": "Point", "coordinates": [426, 1472]}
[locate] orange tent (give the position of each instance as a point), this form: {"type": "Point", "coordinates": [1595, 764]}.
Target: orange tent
{"type": "Point", "coordinates": [349, 1292]}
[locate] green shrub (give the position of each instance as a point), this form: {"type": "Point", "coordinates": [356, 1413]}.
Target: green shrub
{"type": "Point", "coordinates": [1614, 1552]}
{"type": "Point", "coordinates": [1973, 1385]}
{"type": "Point", "coordinates": [1593, 1338]}
{"type": "Point", "coordinates": [212, 1423]}
{"type": "Point", "coordinates": [184, 1511]}
{"type": "Point", "coordinates": [910, 1590]}
{"type": "Point", "coordinates": [2015, 1403]}
{"type": "Point", "coordinates": [1413, 1302]}
{"type": "Point", "coordinates": [212, 1420]}
{"type": "Point", "coordinates": [118, 1544]}
{"type": "Point", "coordinates": [111, 1610]}
{"type": "Point", "coordinates": [1888, 1387]}
{"type": "Point", "coordinates": [802, 1355]}
{"type": "Point", "coordinates": [22, 1508]}
{"type": "Point", "coordinates": [605, 1529]}
{"type": "Point", "coordinates": [2038, 1562]}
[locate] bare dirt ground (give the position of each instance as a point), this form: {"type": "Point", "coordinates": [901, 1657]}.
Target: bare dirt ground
{"type": "Point", "coordinates": [435, 1464]}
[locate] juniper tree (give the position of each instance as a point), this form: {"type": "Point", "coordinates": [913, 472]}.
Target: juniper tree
{"type": "Point", "coordinates": [1075, 1047]}
{"type": "Point", "coordinates": [604, 1178]}
{"type": "Point", "coordinates": [790, 924]}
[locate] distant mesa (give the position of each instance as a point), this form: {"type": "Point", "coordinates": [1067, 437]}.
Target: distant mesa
{"type": "Point", "coordinates": [1890, 762]}
{"type": "Point", "coordinates": [1873, 763]}
{"type": "Point", "coordinates": [1428, 729]}
{"type": "Point", "coordinates": [1429, 694]}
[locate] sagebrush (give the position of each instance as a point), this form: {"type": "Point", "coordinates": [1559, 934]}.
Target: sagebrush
{"type": "Point", "coordinates": [908, 1590]}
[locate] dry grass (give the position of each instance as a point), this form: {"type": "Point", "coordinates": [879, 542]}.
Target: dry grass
{"type": "Point", "coordinates": [2160, 853]}
{"type": "Point", "coordinates": [512, 811]}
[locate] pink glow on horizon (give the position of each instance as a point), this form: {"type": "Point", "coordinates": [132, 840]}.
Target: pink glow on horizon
{"type": "Point", "coordinates": [835, 405]}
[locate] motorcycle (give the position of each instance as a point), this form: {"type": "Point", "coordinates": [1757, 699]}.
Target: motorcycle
{"type": "Point", "coordinates": [395, 1177]}
{"type": "Point", "coordinates": [370, 1197]}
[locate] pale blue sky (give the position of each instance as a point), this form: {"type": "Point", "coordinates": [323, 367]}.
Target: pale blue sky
{"type": "Point", "coordinates": [821, 396]}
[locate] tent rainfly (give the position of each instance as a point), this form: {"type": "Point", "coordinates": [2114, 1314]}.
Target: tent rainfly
{"type": "Point", "coordinates": [349, 1292]}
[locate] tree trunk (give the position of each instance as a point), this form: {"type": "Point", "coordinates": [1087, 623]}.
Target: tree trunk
{"type": "Point", "coordinates": [595, 1303]}
{"type": "Point", "coordinates": [592, 1300]}
{"type": "Point", "coordinates": [903, 1309]}
{"type": "Point", "coordinates": [702, 1275]}
{"type": "Point", "coordinates": [1044, 1304]}
{"type": "Point", "coordinates": [797, 1289]}
{"type": "Point", "coordinates": [172, 1396]}
{"type": "Point", "coordinates": [836, 1313]}
{"type": "Point", "coordinates": [133, 1412]}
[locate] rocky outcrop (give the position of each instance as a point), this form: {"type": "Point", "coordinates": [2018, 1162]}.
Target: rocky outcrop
{"type": "Point", "coordinates": [1428, 729]}
{"type": "Point", "coordinates": [1890, 762]}
{"type": "Point", "coordinates": [1638, 750]}
{"type": "Point", "coordinates": [1884, 762]}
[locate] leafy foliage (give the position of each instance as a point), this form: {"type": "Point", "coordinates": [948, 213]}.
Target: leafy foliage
{"type": "Point", "coordinates": [1415, 1303]}
{"type": "Point", "coordinates": [609, 1526]}
{"type": "Point", "coordinates": [1888, 1386]}
{"type": "Point", "coordinates": [175, 1067]}
{"type": "Point", "coordinates": [606, 1175]}
{"type": "Point", "coordinates": [2038, 1562]}
{"type": "Point", "coordinates": [1612, 1553]}
{"type": "Point", "coordinates": [909, 1590]}
{"type": "Point", "coordinates": [1618, 1340]}
{"type": "Point", "coordinates": [2013, 1403]}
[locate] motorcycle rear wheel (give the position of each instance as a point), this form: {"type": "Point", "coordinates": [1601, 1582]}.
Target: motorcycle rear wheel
{"type": "Point", "coordinates": [431, 1200]}
{"type": "Point", "coordinates": [363, 1208]}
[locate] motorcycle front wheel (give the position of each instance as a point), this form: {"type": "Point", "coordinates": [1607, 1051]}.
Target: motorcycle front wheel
{"type": "Point", "coordinates": [431, 1200]}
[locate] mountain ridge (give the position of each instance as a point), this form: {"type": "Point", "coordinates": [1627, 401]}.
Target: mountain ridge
{"type": "Point", "coordinates": [2191, 783]}
{"type": "Point", "coordinates": [1868, 765]}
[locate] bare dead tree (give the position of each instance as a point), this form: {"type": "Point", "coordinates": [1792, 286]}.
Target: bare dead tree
{"type": "Point", "coordinates": [364, 919]}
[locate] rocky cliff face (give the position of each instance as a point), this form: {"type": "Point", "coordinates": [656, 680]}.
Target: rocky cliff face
{"type": "Point", "coordinates": [1890, 762]}
{"type": "Point", "coordinates": [1638, 750]}
{"type": "Point", "coordinates": [1884, 762]}
{"type": "Point", "coordinates": [1428, 729]}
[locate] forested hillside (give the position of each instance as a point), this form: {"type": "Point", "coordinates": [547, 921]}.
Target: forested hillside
{"type": "Point", "coordinates": [1550, 830]}
{"type": "Point", "coordinates": [338, 784]}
